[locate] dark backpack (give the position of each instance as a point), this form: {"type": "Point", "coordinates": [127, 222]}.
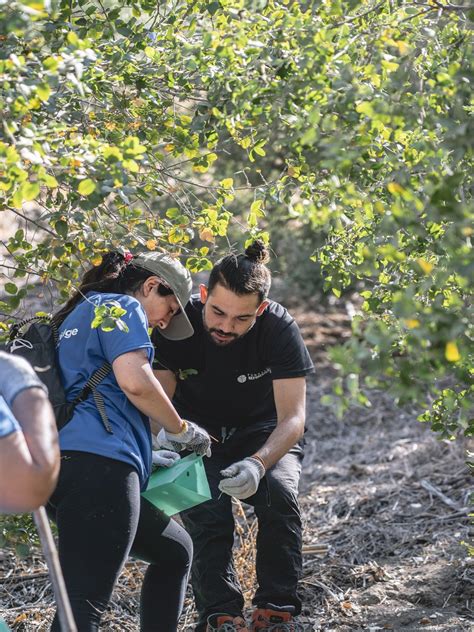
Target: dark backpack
{"type": "Point", "coordinates": [38, 344]}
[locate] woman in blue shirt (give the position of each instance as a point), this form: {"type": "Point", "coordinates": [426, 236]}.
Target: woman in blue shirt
{"type": "Point", "coordinates": [97, 506]}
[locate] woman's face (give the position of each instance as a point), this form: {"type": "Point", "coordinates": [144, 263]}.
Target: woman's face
{"type": "Point", "coordinates": [159, 309]}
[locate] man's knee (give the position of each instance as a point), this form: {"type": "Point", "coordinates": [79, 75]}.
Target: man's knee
{"type": "Point", "coordinates": [280, 492]}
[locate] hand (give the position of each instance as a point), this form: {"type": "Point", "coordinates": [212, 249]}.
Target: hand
{"type": "Point", "coordinates": [164, 458]}
{"type": "Point", "coordinates": [241, 479]}
{"type": "Point", "coordinates": [193, 438]}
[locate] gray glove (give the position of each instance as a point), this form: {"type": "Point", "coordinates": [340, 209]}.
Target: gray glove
{"type": "Point", "coordinates": [241, 479]}
{"type": "Point", "coordinates": [164, 458]}
{"type": "Point", "coordinates": [193, 438]}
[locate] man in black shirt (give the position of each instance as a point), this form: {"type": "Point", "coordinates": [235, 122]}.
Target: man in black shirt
{"type": "Point", "coordinates": [242, 377]}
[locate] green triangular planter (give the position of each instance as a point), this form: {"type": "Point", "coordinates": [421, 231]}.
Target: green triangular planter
{"type": "Point", "coordinates": [179, 487]}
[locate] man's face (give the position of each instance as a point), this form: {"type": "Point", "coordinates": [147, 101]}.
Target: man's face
{"type": "Point", "coordinates": [228, 316]}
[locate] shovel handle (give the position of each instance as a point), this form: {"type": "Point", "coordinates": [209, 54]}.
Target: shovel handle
{"type": "Point", "coordinates": [65, 615]}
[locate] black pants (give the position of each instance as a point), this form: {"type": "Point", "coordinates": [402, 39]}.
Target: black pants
{"type": "Point", "coordinates": [211, 526]}
{"type": "Point", "coordinates": [101, 518]}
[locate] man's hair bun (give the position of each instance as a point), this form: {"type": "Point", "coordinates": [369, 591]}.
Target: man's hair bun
{"type": "Point", "coordinates": [258, 252]}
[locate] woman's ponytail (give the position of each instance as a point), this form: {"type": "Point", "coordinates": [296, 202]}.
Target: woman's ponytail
{"type": "Point", "coordinates": [108, 276]}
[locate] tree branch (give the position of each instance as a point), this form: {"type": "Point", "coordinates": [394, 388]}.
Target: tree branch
{"type": "Point", "coordinates": [31, 221]}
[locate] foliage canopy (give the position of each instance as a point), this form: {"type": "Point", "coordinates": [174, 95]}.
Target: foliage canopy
{"type": "Point", "coordinates": [137, 124]}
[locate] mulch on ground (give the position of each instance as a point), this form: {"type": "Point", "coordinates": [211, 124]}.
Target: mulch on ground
{"type": "Point", "coordinates": [385, 509]}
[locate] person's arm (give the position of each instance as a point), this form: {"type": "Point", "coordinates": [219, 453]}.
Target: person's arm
{"type": "Point", "coordinates": [29, 459]}
{"type": "Point", "coordinates": [168, 381]}
{"type": "Point", "coordinates": [290, 402]}
{"type": "Point", "coordinates": [241, 479]}
{"type": "Point", "coordinates": [135, 377]}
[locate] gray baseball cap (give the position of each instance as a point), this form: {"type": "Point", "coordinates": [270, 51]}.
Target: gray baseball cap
{"type": "Point", "coordinates": [179, 280]}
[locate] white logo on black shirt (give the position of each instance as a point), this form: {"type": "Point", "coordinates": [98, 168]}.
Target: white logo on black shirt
{"type": "Point", "coordinates": [252, 376]}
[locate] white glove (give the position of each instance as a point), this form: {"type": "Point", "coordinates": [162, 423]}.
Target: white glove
{"type": "Point", "coordinates": [164, 458]}
{"type": "Point", "coordinates": [241, 479]}
{"type": "Point", "coordinates": [193, 438]}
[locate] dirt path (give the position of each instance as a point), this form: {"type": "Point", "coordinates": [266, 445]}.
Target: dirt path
{"type": "Point", "coordinates": [390, 501]}
{"type": "Point", "coordinates": [385, 497]}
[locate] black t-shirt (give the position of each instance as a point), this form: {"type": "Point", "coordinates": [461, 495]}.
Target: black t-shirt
{"type": "Point", "coordinates": [232, 385]}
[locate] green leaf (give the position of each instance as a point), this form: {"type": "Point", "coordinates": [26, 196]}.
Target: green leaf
{"type": "Point", "coordinates": [43, 91]}
{"type": "Point", "coordinates": [11, 288]}
{"type": "Point", "coordinates": [86, 187]}
{"type": "Point", "coordinates": [50, 181]}
{"type": "Point", "coordinates": [256, 206]}
{"type": "Point", "coordinates": [73, 39]}
{"type": "Point", "coordinates": [61, 228]}
{"type": "Point", "coordinates": [173, 213]}
{"type": "Point", "coordinates": [30, 191]}
{"type": "Point", "coordinates": [50, 63]}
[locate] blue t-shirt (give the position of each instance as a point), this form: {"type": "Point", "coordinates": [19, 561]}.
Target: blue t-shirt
{"type": "Point", "coordinates": [8, 423]}
{"type": "Point", "coordinates": [82, 350]}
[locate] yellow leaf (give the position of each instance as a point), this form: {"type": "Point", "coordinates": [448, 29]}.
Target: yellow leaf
{"type": "Point", "coordinates": [96, 260]}
{"type": "Point", "coordinates": [151, 244]}
{"type": "Point", "coordinates": [200, 168]}
{"type": "Point", "coordinates": [131, 165]}
{"type": "Point", "coordinates": [169, 147]}
{"type": "Point", "coordinates": [379, 207]}
{"type": "Point", "coordinates": [228, 183]}
{"type": "Point", "coordinates": [451, 352]}
{"type": "Point", "coordinates": [294, 172]}
{"type": "Point", "coordinates": [206, 234]}
{"type": "Point", "coordinates": [426, 266]}
{"type": "Point", "coordinates": [86, 187]}
{"type": "Point", "coordinates": [395, 188]}
{"type": "Point", "coordinates": [412, 323]}
{"type": "Point", "coordinates": [403, 47]}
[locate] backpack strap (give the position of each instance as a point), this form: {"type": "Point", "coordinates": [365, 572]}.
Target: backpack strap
{"type": "Point", "coordinates": [15, 329]}
{"type": "Point", "coordinates": [91, 387]}
{"type": "Point", "coordinates": [91, 384]}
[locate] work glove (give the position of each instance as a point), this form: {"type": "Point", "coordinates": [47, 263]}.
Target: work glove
{"type": "Point", "coordinates": [241, 479]}
{"type": "Point", "coordinates": [193, 438]}
{"type": "Point", "coordinates": [164, 458]}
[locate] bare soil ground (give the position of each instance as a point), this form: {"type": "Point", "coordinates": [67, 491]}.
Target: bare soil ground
{"type": "Point", "coordinates": [385, 512]}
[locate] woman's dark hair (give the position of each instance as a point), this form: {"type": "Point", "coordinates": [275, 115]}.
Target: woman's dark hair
{"type": "Point", "coordinates": [116, 274]}
{"type": "Point", "coordinates": [245, 273]}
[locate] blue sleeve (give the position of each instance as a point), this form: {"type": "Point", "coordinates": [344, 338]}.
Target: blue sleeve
{"type": "Point", "coordinates": [117, 342]}
{"type": "Point", "coordinates": [8, 423]}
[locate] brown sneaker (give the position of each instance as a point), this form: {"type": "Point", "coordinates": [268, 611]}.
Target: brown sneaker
{"type": "Point", "coordinates": [274, 619]}
{"type": "Point", "coordinates": [226, 623]}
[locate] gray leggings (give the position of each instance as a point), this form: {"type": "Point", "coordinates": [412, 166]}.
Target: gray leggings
{"type": "Point", "coordinates": [101, 519]}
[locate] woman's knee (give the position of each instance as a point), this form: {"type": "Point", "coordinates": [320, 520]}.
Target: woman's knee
{"type": "Point", "coordinates": [179, 543]}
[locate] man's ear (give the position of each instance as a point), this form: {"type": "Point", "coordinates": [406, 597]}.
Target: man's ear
{"type": "Point", "coordinates": [262, 307]}
{"type": "Point", "coordinates": [203, 293]}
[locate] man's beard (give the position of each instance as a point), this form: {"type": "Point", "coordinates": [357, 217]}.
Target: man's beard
{"type": "Point", "coordinates": [229, 339]}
